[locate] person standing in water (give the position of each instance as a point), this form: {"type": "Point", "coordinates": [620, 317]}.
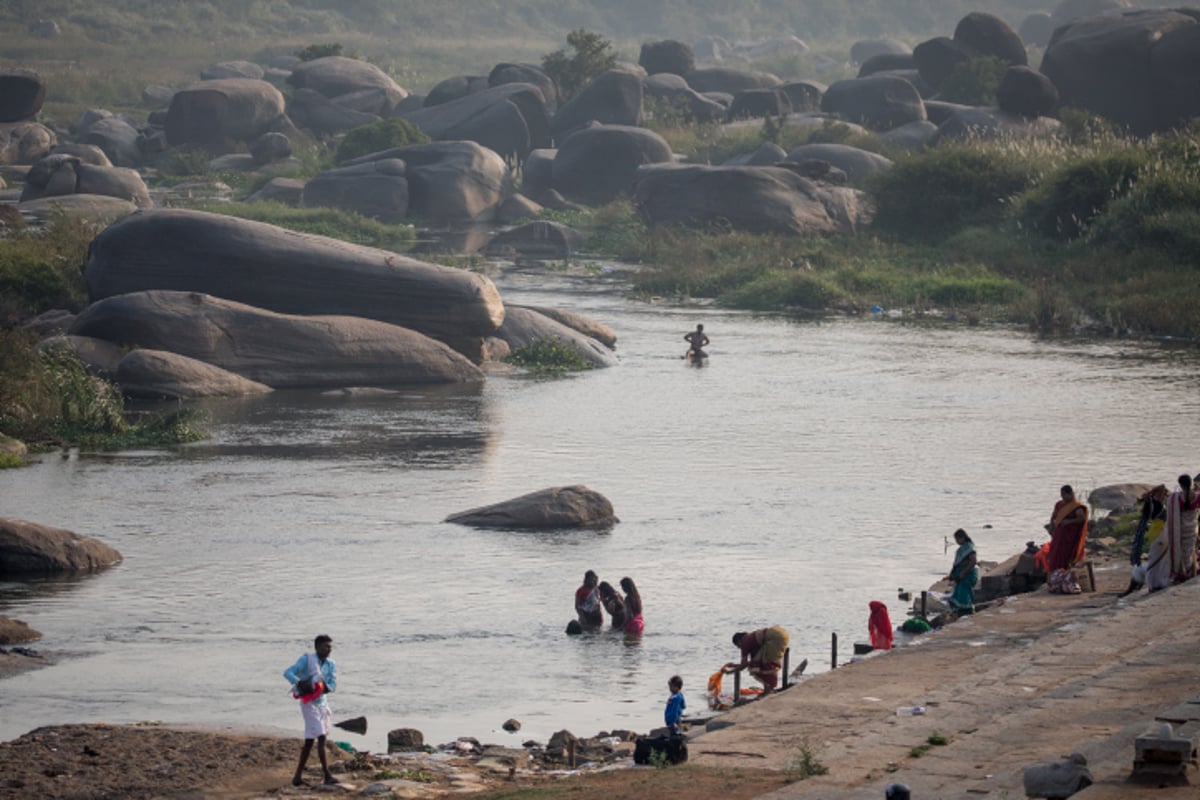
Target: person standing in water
{"type": "Point", "coordinates": [698, 341]}
{"type": "Point", "coordinates": [587, 602]}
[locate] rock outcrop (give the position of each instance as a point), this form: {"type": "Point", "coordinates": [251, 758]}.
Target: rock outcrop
{"type": "Point", "coordinates": [27, 548]}
{"type": "Point", "coordinates": [558, 507]}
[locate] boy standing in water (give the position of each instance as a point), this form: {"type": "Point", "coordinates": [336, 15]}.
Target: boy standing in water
{"type": "Point", "coordinates": [698, 341]}
{"type": "Point", "coordinates": [313, 676]}
{"type": "Point", "coordinates": [675, 704]}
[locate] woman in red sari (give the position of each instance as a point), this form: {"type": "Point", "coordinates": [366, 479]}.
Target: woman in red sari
{"type": "Point", "coordinates": [1068, 531]}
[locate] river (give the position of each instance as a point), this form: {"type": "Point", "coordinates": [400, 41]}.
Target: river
{"type": "Point", "coordinates": [809, 468]}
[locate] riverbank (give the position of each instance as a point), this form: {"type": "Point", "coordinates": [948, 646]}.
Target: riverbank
{"type": "Point", "coordinates": [1027, 681]}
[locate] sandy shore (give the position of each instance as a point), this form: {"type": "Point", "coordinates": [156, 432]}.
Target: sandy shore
{"type": "Point", "coordinates": [1034, 679]}
{"type": "Point", "coordinates": [1028, 681]}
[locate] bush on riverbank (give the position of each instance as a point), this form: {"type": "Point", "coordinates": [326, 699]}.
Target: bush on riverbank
{"type": "Point", "coordinates": [48, 397]}
{"type": "Point", "coordinates": [42, 268]}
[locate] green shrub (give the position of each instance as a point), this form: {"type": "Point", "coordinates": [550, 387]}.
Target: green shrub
{"type": "Point", "coordinates": [593, 56]}
{"type": "Point", "coordinates": [49, 396]}
{"type": "Point", "coordinates": [931, 194]}
{"type": "Point", "coordinates": [548, 356]}
{"type": "Point", "coordinates": [973, 82]}
{"type": "Point", "coordinates": [1065, 204]}
{"type": "Point", "coordinates": [379, 136]}
{"type": "Point", "coordinates": [43, 269]}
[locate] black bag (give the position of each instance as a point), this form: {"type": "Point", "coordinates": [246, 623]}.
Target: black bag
{"type": "Point", "coordinates": [674, 748]}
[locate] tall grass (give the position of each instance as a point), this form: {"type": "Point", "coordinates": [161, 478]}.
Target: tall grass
{"type": "Point", "coordinates": [42, 269]}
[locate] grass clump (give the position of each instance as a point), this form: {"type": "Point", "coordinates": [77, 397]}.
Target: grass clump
{"type": "Point", "coordinates": [548, 356]}
{"type": "Point", "coordinates": [334, 223]}
{"type": "Point", "coordinates": [929, 195]}
{"type": "Point", "coordinates": [379, 136]}
{"type": "Point", "coordinates": [973, 82]}
{"type": "Point", "coordinates": [805, 764]}
{"type": "Point", "coordinates": [10, 460]}
{"type": "Point", "coordinates": [49, 398]}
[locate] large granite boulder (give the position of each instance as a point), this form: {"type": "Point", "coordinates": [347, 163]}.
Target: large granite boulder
{"type": "Point", "coordinates": [767, 154]}
{"type": "Point", "coordinates": [510, 119]}
{"type": "Point", "coordinates": [669, 55]}
{"type": "Point", "coordinates": [1026, 92]}
{"type": "Point", "coordinates": [556, 507]}
{"type": "Point", "coordinates": [804, 95]}
{"type": "Point", "coordinates": [858, 164]}
{"type": "Point", "coordinates": [673, 91]}
{"type": "Point", "coordinates": [118, 138]}
{"type": "Point", "coordinates": [938, 57]}
{"type": "Point", "coordinates": [1137, 69]}
{"type": "Point", "coordinates": [24, 142]}
{"type": "Point", "coordinates": [57, 175]}
{"type": "Point", "coordinates": [758, 199]}
{"type": "Point", "coordinates": [455, 87]}
{"type": "Point", "coordinates": [523, 326]}
{"type": "Point", "coordinates": [312, 111]}
{"type": "Point", "coordinates": [27, 548]}
{"type": "Point", "coordinates": [865, 49]}
{"type": "Point", "coordinates": [288, 272]}
{"type": "Point", "coordinates": [989, 35]}
{"type": "Point", "coordinates": [597, 165]}
{"type": "Point", "coordinates": [376, 189]}
{"type": "Point", "coordinates": [1068, 11]}
{"type": "Point", "coordinates": [450, 181]}
{"type": "Point", "coordinates": [730, 80]}
{"type": "Point", "coordinates": [86, 153]}
{"type": "Point", "coordinates": [278, 350]}
{"type": "Point", "coordinates": [340, 77]}
{"type": "Point", "coordinates": [506, 73]}
{"type": "Point", "coordinates": [585, 325]}
{"type": "Point", "coordinates": [214, 113]}
{"type": "Point", "coordinates": [887, 62]}
{"type": "Point", "coordinates": [879, 102]}
{"type": "Point", "coordinates": [613, 98]}
{"type": "Point", "coordinates": [22, 93]}
{"type": "Point", "coordinates": [232, 69]}
{"type": "Point", "coordinates": [158, 374]}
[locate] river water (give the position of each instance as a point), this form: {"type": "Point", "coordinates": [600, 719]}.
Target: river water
{"type": "Point", "coordinates": [807, 469]}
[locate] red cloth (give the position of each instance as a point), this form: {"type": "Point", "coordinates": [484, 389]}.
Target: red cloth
{"type": "Point", "coordinates": [880, 626]}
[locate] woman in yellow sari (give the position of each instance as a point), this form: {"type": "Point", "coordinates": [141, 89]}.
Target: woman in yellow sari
{"type": "Point", "coordinates": [1068, 531]}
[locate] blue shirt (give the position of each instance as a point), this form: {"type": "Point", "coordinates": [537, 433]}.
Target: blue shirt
{"type": "Point", "coordinates": [675, 706]}
{"type": "Point", "coordinates": [298, 671]}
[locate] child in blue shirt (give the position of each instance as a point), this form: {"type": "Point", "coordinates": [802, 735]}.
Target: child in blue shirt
{"type": "Point", "coordinates": [675, 704]}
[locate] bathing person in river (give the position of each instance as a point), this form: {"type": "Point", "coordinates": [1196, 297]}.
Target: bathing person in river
{"type": "Point", "coordinates": [633, 607]}
{"type": "Point", "coordinates": [698, 341]}
{"type": "Point", "coordinates": [313, 676]}
{"type": "Point", "coordinates": [762, 654]}
{"type": "Point", "coordinates": [613, 604]}
{"type": "Point", "coordinates": [587, 602]}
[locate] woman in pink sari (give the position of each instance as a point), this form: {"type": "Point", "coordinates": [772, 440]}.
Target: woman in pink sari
{"type": "Point", "coordinates": [633, 607]}
{"type": "Point", "coordinates": [1068, 531]}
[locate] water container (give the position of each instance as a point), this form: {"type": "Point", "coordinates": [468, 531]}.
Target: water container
{"type": "Point", "coordinates": [910, 711]}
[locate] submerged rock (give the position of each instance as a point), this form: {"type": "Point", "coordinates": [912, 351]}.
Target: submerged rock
{"type": "Point", "coordinates": [27, 548]}
{"type": "Point", "coordinates": [556, 507]}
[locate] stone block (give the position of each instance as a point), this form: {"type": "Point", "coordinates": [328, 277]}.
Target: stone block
{"type": "Point", "coordinates": [1163, 746]}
